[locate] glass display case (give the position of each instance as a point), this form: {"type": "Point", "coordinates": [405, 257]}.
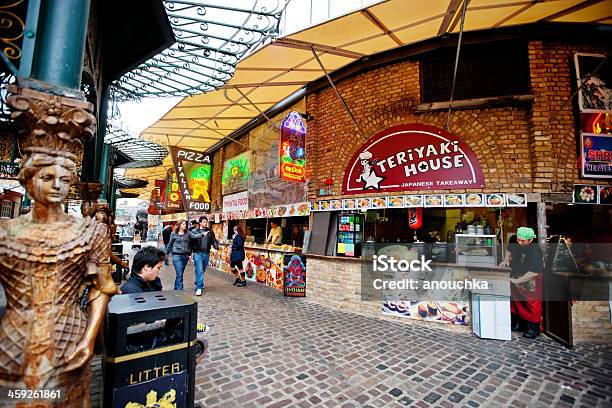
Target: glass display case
{"type": "Point", "coordinates": [476, 250]}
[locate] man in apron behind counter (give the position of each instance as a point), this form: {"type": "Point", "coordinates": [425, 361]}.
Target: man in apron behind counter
{"type": "Point", "coordinates": [524, 257]}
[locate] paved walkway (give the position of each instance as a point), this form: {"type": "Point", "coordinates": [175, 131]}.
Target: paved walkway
{"type": "Point", "coordinates": [270, 351]}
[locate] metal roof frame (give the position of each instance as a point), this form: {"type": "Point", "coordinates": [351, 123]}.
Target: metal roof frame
{"type": "Point", "coordinates": [206, 51]}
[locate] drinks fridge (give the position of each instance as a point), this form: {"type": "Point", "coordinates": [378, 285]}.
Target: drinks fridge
{"type": "Point", "coordinates": [349, 234]}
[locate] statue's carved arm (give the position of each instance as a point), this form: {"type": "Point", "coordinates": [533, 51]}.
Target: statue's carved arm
{"type": "Point", "coordinates": [102, 288]}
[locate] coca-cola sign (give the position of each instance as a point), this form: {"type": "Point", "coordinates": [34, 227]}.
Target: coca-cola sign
{"type": "Point", "coordinates": [412, 157]}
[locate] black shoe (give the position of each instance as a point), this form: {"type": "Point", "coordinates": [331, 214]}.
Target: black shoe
{"type": "Point", "coordinates": [533, 330]}
{"type": "Point", "coordinates": [241, 284]}
{"type": "Point", "coordinates": [237, 281]}
{"type": "Point", "coordinates": [517, 324]}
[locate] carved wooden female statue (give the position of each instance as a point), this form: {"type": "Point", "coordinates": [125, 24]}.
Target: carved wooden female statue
{"type": "Point", "coordinates": [47, 258]}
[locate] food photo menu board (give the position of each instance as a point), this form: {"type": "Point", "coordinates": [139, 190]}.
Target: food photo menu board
{"type": "Point", "coordinates": [428, 200]}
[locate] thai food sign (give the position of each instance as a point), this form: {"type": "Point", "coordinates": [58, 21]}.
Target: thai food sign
{"type": "Point", "coordinates": [292, 148]}
{"type": "Point", "coordinates": [412, 157]}
{"type": "Point", "coordinates": [193, 173]}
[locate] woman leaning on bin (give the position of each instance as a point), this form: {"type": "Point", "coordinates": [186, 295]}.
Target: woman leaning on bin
{"type": "Point", "coordinates": [179, 248]}
{"type": "Point", "coordinates": [237, 256]}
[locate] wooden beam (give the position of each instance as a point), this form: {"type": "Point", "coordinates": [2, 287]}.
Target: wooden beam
{"type": "Point", "coordinates": [260, 84]}
{"type": "Point", "coordinates": [516, 13]}
{"type": "Point", "coordinates": [577, 7]}
{"type": "Point", "coordinates": [458, 18]}
{"type": "Point", "coordinates": [602, 19]}
{"type": "Point", "coordinates": [179, 135]}
{"type": "Point", "coordinates": [368, 14]}
{"type": "Point", "coordinates": [475, 103]}
{"type": "Point", "coordinates": [207, 117]}
{"type": "Point", "coordinates": [221, 105]}
{"type": "Point", "coordinates": [307, 46]}
{"type": "Point", "coordinates": [238, 68]}
{"type": "Point", "coordinates": [451, 13]}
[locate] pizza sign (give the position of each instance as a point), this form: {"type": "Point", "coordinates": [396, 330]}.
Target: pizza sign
{"type": "Point", "coordinates": [412, 157]}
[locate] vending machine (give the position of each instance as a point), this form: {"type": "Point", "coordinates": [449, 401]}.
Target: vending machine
{"type": "Point", "coordinates": [350, 234]}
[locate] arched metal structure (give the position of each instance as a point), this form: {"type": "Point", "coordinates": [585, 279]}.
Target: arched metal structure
{"type": "Point", "coordinates": [211, 37]}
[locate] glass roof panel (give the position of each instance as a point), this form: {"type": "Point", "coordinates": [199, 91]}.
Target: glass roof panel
{"type": "Point", "coordinates": [211, 37]}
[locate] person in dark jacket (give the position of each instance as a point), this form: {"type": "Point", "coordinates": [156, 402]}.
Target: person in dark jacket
{"type": "Point", "coordinates": [166, 232]}
{"type": "Point", "coordinates": [145, 271]}
{"type": "Point", "coordinates": [201, 251]}
{"type": "Point", "coordinates": [180, 248]}
{"type": "Point", "coordinates": [237, 256]}
{"type": "Point", "coordinates": [145, 278]}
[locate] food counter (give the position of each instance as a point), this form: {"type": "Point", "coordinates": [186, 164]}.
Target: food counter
{"type": "Point", "coordinates": [271, 265]}
{"type": "Point", "coordinates": [347, 284]}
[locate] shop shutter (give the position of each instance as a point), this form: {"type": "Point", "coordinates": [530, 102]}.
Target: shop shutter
{"type": "Point", "coordinates": [320, 233]}
{"type": "Point", "coordinates": [485, 70]}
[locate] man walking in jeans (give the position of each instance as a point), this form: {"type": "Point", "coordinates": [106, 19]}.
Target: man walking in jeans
{"type": "Point", "coordinates": [201, 252]}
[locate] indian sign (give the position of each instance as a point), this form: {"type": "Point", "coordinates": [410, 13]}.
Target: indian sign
{"type": "Point", "coordinates": [292, 148]}
{"type": "Point", "coordinates": [193, 173]}
{"type": "Point", "coordinates": [412, 157]}
{"type": "Point", "coordinates": [596, 155]}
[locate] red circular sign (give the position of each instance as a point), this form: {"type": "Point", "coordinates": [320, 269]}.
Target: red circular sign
{"type": "Point", "coordinates": [412, 157]}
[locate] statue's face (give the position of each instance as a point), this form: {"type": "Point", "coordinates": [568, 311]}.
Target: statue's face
{"type": "Point", "coordinates": [50, 185]}
{"type": "Point", "coordinates": [101, 217]}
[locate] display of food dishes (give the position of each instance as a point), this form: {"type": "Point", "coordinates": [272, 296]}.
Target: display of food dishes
{"type": "Point", "coordinates": [414, 200]}
{"type": "Point", "coordinates": [605, 195]}
{"type": "Point", "coordinates": [396, 202]}
{"type": "Point", "coordinates": [433, 200]}
{"type": "Point", "coordinates": [516, 200]}
{"type": "Point", "coordinates": [325, 205]}
{"type": "Point", "coordinates": [261, 275]}
{"type": "Point", "coordinates": [282, 211]}
{"type": "Point", "coordinates": [585, 194]}
{"type": "Point", "coordinates": [474, 199]}
{"type": "Point", "coordinates": [495, 200]}
{"type": "Point", "coordinates": [453, 200]}
{"type": "Point", "coordinates": [303, 208]}
{"type": "Point", "coordinates": [336, 204]}
{"type": "Point", "coordinates": [364, 202]}
{"type": "Point", "coordinates": [379, 202]}
{"type": "Point", "coordinates": [348, 204]}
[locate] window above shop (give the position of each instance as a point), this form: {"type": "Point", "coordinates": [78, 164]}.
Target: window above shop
{"type": "Point", "coordinates": [485, 70]}
{"type": "Point", "coordinates": [7, 209]}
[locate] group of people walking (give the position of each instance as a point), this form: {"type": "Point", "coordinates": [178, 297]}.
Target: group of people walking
{"type": "Point", "coordinates": [183, 244]}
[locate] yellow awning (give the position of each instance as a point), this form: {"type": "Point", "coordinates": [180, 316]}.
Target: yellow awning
{"type": "Point", "coordinates": [287, 64]}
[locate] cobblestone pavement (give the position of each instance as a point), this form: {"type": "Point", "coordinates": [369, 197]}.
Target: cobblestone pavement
{"type": "Point", "coordinates": [270, 351]}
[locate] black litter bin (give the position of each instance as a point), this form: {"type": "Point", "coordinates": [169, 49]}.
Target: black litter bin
{"type": "Point", "coordinates": [150, 350]}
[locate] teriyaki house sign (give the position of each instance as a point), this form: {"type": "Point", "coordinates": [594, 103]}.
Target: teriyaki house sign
{"type": "Point", "coordinates": [412, 157]}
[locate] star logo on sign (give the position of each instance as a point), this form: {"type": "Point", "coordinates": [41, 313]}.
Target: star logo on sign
{"type": "Point", "coordinates": [423, 166]}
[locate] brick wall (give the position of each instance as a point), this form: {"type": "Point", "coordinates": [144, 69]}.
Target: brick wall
{"type": "Point", "coordinates": [219, 157]}
{"type": "Point", "coordinates": [249, 141]}
{"type": "Point", "coordinates": [521, 148]}
{"type": "Point", "coordinates": [591, 322]}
